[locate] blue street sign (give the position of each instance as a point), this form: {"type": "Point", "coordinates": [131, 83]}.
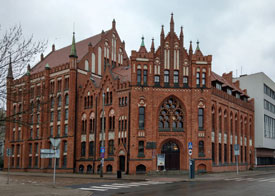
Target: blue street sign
{"type": "Point", "coordinates": [102, 149]}
{"type": "Point", "coordinates": [190, 145]}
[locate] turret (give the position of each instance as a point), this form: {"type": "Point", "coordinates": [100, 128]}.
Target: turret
{"type": "Point", "coordinates": [172, 24]}
{"type": "Point", "coordinates": [73, 55]}
{"type": "Point", "coordinates": [10, 74]}
{"type": "Point", "coordinates": [152, 46]}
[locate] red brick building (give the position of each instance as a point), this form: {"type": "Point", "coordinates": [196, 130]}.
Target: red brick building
{"type": "Point", "coordinates": [155, 102]}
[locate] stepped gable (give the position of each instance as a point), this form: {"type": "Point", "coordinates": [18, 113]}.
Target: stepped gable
{"type": "Point", "coordinates": [123, 73]}
{"type": "Point", "coordinates": [61, 56]}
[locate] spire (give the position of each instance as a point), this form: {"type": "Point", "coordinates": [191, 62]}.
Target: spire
{"type": "Point", "coordinates": [73, 48]}
{"type": "Point", "coordinates": [114, 24]}
{"type": "Point", "coordinates": [28, 70]}
{"type": "Point", "coordinates": [10, 75]}
{"type": "Point", "coordinates": [190, 48]}
{"type": "Point", "coordinates": [142, 42]}
{"type": "Point", "coordinates": [198, 45]}
{"type": "Point", "coordinates": [153, 46]}
{"type": "Point", "coordinates": [162, 30]}
{"type": "Point", "coordinates": [181, 31]}
{"type": "Point", "coordinates": [172, 23]}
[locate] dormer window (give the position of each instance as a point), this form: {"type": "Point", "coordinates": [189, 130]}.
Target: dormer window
{"type": "Point", "coordinates": [219, 86]}
{"type": "Point", "coordinates": [229, 91]}
{"type": "Point", "coordinates": [238, 95]}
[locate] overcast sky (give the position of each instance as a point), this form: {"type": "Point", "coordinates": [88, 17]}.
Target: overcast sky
{"type": "Point", "coordinates": [239, 34]}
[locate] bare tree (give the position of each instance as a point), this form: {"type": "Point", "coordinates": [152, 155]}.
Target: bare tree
{"type": "Point", "coordinates": [20, 50]}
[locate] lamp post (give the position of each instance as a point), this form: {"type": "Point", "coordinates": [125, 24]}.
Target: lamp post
{"type": "Point", "coordinates": [102, 133]}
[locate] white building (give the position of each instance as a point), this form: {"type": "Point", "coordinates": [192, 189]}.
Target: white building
{"type": "Point", "coordinates": [260, 87]}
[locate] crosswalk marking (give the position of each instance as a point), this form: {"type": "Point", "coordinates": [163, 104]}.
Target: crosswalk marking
{"type": "Point", "coordinates": [115, 186]}
{"type": "Point", "coordinates": [251, 179]}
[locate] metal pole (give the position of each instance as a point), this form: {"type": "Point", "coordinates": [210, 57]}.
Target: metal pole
{"type": "Point", "coordinates": [102, 131]}
{"type": "Point", "coordinates": [54, 167]}
{"type": "Point", "coordinates": [237, 165]}
{"type": "Point", "coordinates": [8, 170]}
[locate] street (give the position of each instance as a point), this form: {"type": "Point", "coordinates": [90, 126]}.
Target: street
{"type": "Point", "coordinates": [263, 184]}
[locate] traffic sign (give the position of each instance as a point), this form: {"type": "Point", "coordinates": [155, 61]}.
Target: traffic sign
{"type": "Point", "coordinates": [102, 149]}
{"type": "Point", "coordinates": [49, 153]}
{"type": "Point", "coordinates": [9, 153]}
{"type": "Point", "coordinates": [45, 151]}
{"type": "Point", "coordinates": [190, 146]}
{"type": "Point", "coordinates": [236, 149]}
{"type": "Point", "coordinates": [55, 142]}
{"type": "Point", "coordinates": [190, 152]}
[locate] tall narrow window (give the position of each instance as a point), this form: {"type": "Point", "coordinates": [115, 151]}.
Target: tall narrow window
{"type": "Point", "coordinates": [141, 148]}
{"type": "Point", "coordinates": [198, 79]}
{"type": "Point", "coordinates": [83, 148]}
{"type": "Point", "coordinates": [166, 77]}
{"type": "Point", "coordinates": [176, 77]}
{"type": "Point", "coordinates": [144, 77]}
{"type": "Point", "coordinates": [111, 147]}
{"type": "Point", "coordinates": [91, 148]}
{"type": "Point", "coordinates": [156, 80]}
{"type": "Point", "coordinates": [201, 118]}
{"type": "Point", "coordinates": [201, 149]}
{"type": "Point", "coordinates": [203, 79]}
{"type": "Point", "coordinates": [59, 101]}
{"type": "Point", "coordinates": [138, 76]}
{"type": "Point", "coordinates": [141, 117]}
{"type": "Point", "coordinates": [66, 99]}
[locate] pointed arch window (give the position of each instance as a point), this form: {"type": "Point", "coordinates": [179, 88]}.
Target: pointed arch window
{"type": "Point", "coordinates": [141, 117]}
{"type": "Point", "coordinates": [171, 116]}
{"type": "Point", "coordinates": [201, 118]}
{"type": "Point", "coordinates": [166, 77]}
{"type": "Point", "coordinates": [176, 77]}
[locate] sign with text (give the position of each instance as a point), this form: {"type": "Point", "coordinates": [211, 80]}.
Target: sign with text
{"type": "Point", "coordinates": [49, 153]}
{"type": "Point", "coordinates": [236, 149]}
{"type": "Point", "coordinates": [190, 146]}
{"type": "Point", "coordinates": [161, 160]}
{"type": "Point", "coordinates": [9, 152]}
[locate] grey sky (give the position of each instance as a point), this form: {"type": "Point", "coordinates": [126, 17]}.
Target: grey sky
{"type": "Point", "coordinates": [239, 34]}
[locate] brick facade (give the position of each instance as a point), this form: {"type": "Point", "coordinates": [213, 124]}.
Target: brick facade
{"type": "Point", "coordinates": [155, 102]}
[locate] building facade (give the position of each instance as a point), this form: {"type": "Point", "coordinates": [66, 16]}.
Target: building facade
{"type": "Point", "coordinates": [91, 95]}
{"type": "Point", "coordinates": [264, 115]}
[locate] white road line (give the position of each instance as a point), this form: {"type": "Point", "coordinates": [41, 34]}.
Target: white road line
{"type": "Point", "coordinates": [102, 187]}
{"type": "Point", "coordinates": [91, 189]}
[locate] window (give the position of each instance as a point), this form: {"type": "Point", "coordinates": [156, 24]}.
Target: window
{"type": "Point", "coordinates": [91, 148]}
{"type": "Point", "coordinates": [84, 126]}
{"type": "Point", "coordinates": [201, 149]}
{"type": "Point", "coordinates": [30, 161]}
{"type": "Point", "coordinates": [138, 76]}
{"type": "Point", "coordinates": [111, 97]}
{"type": "Point", "coordinates": [59, 101]}
{"type": "Point", "coordinates": [219, 86]}
{"type": "Point", "coordinates": [144, 77]}
{"type": "Point", "coordinates": [141, 148]}
{"type": "Point", "coordinates": [58, 130]}
{"type": "Point", "coordinates": [141, 117]}
{"type": "Point", "coordinates": [31, 133]}
{"type": "Point", "coordinates": [64, 161]}
{"type": "Point", "coordinates": [185, 80]}
{"type": "Point", "coordinates": [65, 146]}
{"type": "Point", "coordinates": [166, 76]}
{"type": "Point", "coordinates": [51, 116]}
{"type": "Point", "coordinates": [171, 112]}
{"type": "Point", "coordinates": [52, 102]}
{"type": "Point", "coordinates": [198, 79]}
{"type": "Point", "coordinates": [58, 115]}
{"type": "Point", "coordinates": [38, 106]}
{"type": "Point", "coordinates": [66, 114]}
{"type": "Point", "coordinates": [59, 85]}
{"type": "Point", "coordinates": [38, 118]}
{"type": "Point", "coordinates": [66, 83]}
{"type": "Point", "coordinates": [37, 132]}
{"type": "Point", "coordinates": [83, 148]}
{"type": "Point", "coordinates": [156, 80]}
{"type": "Point", "coordinates": [66, 99]}
{"type": "Point", "coordinates": [201, 118]}
{"type": "Point", "coordinates": [66, 130]}
{"type": "Point", "coordinates": [203, 79]}
{"type": "Point", "coordinates": [176, 77]}
{"type": "Point", "coordinates": [30, 148]}
{"type": "Point", "coordinates": [51, 131]}
{"type": "Point", "coordinates": [111, 147]}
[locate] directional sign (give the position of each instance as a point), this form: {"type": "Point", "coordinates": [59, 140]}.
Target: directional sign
{"type": "Point", "coordinates": [55, 142]}
{"type": "Point", "coordinates": [47, 151]}
{"type": "Point", "coordinates": [102, 149]}
{"type": "Point", "coordinates": [190, 146]}
{"type": "Point", "coordinates": [236, 149]}
{"type": "Point", "coordinates": [9, 153]}
{"type": "Point", "coordinates": [49, 155]}
{"type": "Point", "coordinates": [190, 152]}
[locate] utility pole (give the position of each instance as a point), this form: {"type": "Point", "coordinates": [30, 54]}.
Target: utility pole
{"type": "Point", "coordinates": [102, 140]}
{"type": "Point", "coordinates": [54, 165]}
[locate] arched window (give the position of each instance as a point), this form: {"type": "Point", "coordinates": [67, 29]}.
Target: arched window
{"type": "Point", "coordinates": [201, 118]}
{"type": "Point", "coordinates": [99, 60]}
{"type": "Point", "coordinates": [93, 62]}
{"type": "Point", "coordinates": [171, 113]}
{"type": "Point", "coordinates": [176, 77]}
{"type": "Point", "coordinates": [81, 169]}
{"type": "Point", "coordinates": [109, 168]}
{"type": "Point", "coordinates": [156, 80]}
{"type": "Point", "coordinates": [111, 147]}
{"type": "Point", "coordinates": [83, 148]}
{"type": "Point", "coordinates": [89, 169]}
{"type": "Point", "coordinates": [198, 79]}
{"type": "Point", "coordinates": [166, 77]}
{"type": "Point", "coordinates": [203, 78]}
{"type": "Point", "coordinates": [144, 77]}
{"type": "Point", "coordinates": [201, 149]}
{"type": "Point", "coordinates": [139, 76]}
{"type": "Point", "coordinates": [86, 65]}
{"type": "Point", "coordinates": [141, 117]}
{"type": "Point", "coordinates": [66, 99]}
{"type": "Point", "coordinates": [140, 169]}
{"type": "Point", "coordinates": [91, 148]}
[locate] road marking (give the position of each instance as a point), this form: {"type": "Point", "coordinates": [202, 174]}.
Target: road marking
{"type": "Point", "coordinates": [91, 189]}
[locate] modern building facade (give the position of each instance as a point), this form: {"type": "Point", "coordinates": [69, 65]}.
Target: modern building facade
{"type": "Point", "coordinates": [260, 87]}
{"type": "Point", "coordinates": [155, 102]}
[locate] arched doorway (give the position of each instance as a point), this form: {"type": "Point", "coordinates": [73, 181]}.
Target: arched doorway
{"type": "Point", "coordinates": [172, 155]}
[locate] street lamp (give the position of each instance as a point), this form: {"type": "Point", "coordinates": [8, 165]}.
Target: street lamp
{"type": "Point", "coordinates": [102, 140]}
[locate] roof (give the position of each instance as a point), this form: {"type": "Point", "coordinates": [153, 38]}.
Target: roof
{"type": "Point", "coordinates": [123, 73]}
{"type": "Point", "coordinates": [61, 56]}
{"type": "Point", "coordinates": [216, 77]}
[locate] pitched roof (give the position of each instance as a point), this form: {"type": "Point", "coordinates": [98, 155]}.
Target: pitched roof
{"type": "Point", "coordinates": [123, 73]}
{"type": "Point", "coordinates": [61, 56]}
{"type": "Point", "coordinates": [216, 77]}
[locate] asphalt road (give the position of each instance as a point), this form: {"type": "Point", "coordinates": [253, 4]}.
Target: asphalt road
{"type": "Point", "coordinates": [260, 185]}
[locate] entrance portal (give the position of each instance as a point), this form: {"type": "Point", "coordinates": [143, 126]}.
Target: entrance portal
{"type": "Point", "coordinates": [122, 163]}
{"type": "Point", "coordinates": [172, 156]}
